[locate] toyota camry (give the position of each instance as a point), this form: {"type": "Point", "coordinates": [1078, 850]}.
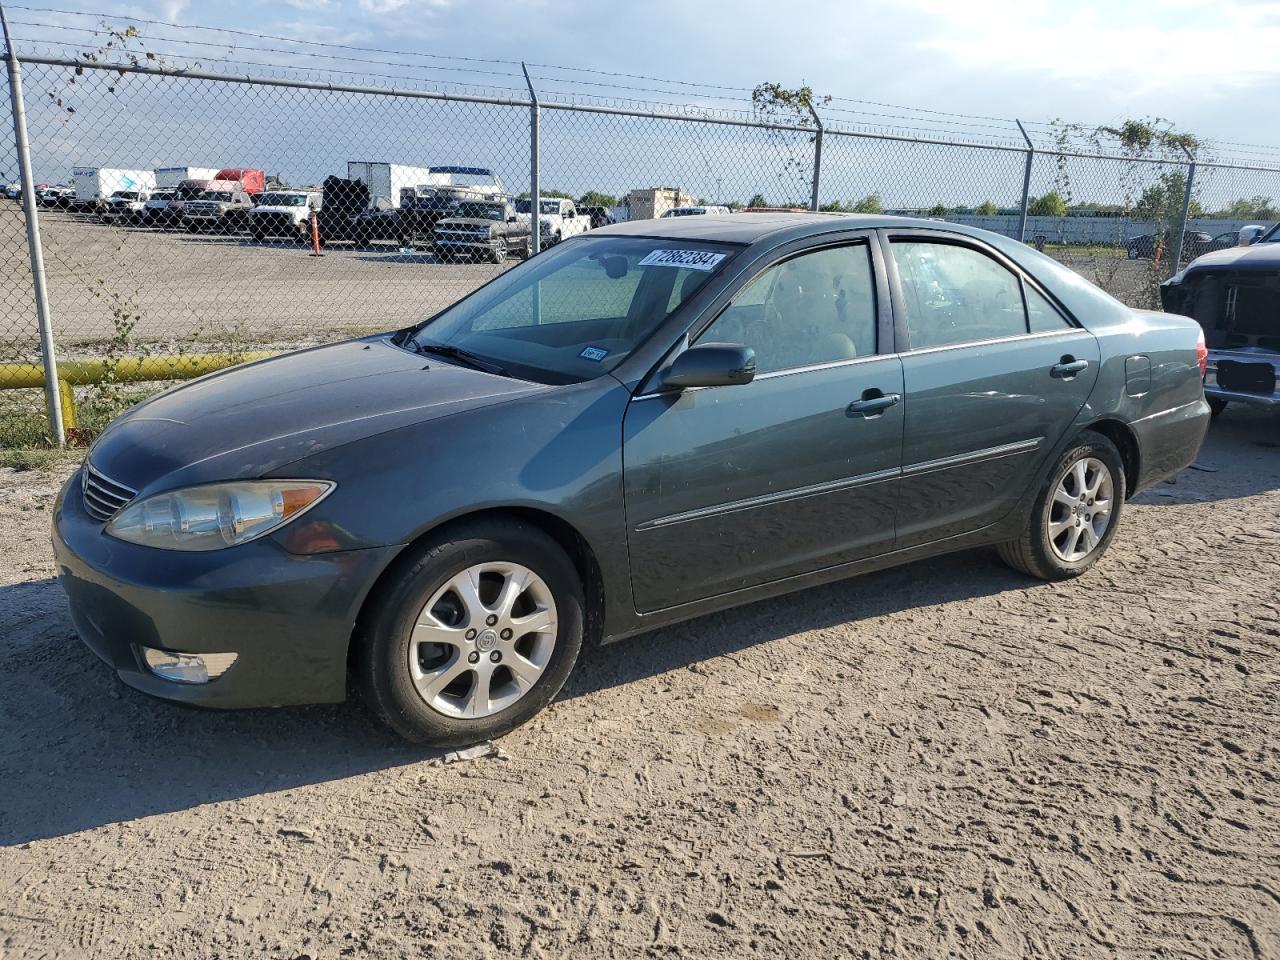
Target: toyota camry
{"type": "Point", "coordinates": [641, 425]}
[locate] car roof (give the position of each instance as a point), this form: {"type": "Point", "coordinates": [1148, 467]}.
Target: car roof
{"type": "Point", "coordinates": [752, 227]}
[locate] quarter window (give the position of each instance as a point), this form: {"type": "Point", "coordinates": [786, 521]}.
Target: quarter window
{"type": "Point", "coordinates": [819, 307]}
{"type": "Point", "coordinates": [955, 294]}
{"type": "Point", "coordinates": [1042, 316]}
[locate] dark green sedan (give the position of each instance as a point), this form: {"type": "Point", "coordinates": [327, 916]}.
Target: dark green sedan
{"type": "Point", "coordinates": [644, 424]}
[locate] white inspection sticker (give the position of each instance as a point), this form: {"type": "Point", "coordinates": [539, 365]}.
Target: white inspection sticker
{"type": "Point", "coordinates": [693, 259]}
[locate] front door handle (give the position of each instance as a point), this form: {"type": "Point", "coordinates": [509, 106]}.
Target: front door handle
{"type": "Point", "coordinates": [1068, 368]}
{"type": "Point", "coordinates": [872, 404]}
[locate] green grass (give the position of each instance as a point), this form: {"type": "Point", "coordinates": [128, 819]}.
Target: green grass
{"type": "Point", "coordinates": [37, 458]}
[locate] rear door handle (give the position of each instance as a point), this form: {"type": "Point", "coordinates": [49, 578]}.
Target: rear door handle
{"type": "Point", "coordinates": [1068, 368]}
{"type": "Point", "coordinates": [872, 404]}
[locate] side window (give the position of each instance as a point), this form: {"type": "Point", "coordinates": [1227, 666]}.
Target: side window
{"type": "Point", "coordinates": [818, 307]}
{"type": "Point", "coordinates": [1042, 316]}
{"type": "Point", "coordinates": [956, 294]}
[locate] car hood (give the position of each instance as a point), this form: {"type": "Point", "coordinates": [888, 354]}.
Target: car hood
{"type": "Point", "coordinates": [252, 420]}
{"type": "Point", "coordinates": [289, 211]}
{"type": "Point", "coordinates": [1257, 256]}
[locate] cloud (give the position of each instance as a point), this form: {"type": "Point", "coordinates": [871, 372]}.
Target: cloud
{"type": "Point", "coordinates": [311, 6]}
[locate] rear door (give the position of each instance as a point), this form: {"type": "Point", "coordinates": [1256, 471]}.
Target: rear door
{"type": "Point", "coordinates": [734, 486]}
{"type": "Point", "coordinates": [994, 374]}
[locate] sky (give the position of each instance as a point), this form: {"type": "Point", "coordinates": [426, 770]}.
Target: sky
{"type": "Point", "coordinates": [1210, 67]}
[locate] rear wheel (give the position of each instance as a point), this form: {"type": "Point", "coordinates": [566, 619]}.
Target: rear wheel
{"type": "Point", "coordinates": [1075, 514]}
{"type": "Point", "coordinates": [1216, 405]}
{"type": "Point", "coordinates": [474, 636]}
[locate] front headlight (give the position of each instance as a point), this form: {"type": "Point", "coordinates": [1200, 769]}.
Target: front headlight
{"type": "Point", "coordinates": [217, 515]}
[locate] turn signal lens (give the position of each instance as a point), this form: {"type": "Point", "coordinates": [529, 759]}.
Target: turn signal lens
{"type": "Point", "coordinates": [218, 515]}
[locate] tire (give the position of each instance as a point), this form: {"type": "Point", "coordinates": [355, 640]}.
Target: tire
{"type": "Point", "coordinates": [1035, 552]}
{"type": "Point", "coordinates": [1216, 406]}
{"type": "Point", "coordinates": [258, 234]}
{"type": "Point", "coordinates": [498, 253]}
{"type": "Point", "coordinates": [386, 641]}
{"type": "Point", "coordinates": [1131, 252]}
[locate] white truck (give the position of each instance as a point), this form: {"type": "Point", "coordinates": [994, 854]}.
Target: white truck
{"type": "Point", "coordinates": [93, 184]}
{"type": "Point", "coordinates": [283, 213]}
{"type": "Point", "coordinates": [386, 181]}
{"type": "Point", "coordinates": [558, 219]}
{"type": "Point", "coordinates": [168, 178]}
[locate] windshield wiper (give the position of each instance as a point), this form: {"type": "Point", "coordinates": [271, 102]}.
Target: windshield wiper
{"type": "Point", "coordinates": [465, 356]}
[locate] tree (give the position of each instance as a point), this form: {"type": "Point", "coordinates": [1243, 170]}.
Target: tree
{"type": "Point", "coordinates": [1161, 203]}
{"type": "Point", "coordinates": [1050, 204]}
{"type": "Point", "coordinates": [757, 200]}
{"type": "Point", "coordinates": [938, 210]}
{"type": "Point", "coordinates": [869, 204]}
{"type": "Point", "coordinates": [1253, 208]}
{"type": "Point", "coordinates": [986, 208]}
{"type": "Point", "coordinates": [832, 206]}
{"type": "Point", "coordinates": [594, 198]}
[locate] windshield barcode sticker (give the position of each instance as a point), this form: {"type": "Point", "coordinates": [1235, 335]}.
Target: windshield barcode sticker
{"type": "Point", "coordinates": [693, 259]}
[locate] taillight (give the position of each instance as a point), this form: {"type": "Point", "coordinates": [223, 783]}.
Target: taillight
{"type": "Point", "coordinates": [1202, 355]}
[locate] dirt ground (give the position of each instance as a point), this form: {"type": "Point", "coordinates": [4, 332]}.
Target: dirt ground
{"type": "Point", "coordinates": [946, 759]}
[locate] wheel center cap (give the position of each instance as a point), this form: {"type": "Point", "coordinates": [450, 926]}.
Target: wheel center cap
{"type": "Point", "coordinates": [486, 640]}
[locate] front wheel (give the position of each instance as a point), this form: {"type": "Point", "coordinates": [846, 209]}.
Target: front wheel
{"type": "Point", "coordinates": [498, 253]}
{"type": "Point", "coordinates": [473, 635]}
{"type": "Point", "coordinates": [1075, 513]}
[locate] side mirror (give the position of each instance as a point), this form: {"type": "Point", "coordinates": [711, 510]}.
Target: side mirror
{"type": "Point", "coordinates": [711, 365]}
{"type": "Point", "coordinates": [1250, 234]}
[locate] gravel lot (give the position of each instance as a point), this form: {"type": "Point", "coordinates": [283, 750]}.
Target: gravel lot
{"type": "Point", "coordinates": [216, 290]}
{"type": "Point", "coordinates": [941, 760]}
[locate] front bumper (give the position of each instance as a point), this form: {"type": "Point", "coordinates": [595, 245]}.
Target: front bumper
{"type": "Point", "coordinates": [1258, 399]}
{"type": "Point", "coordinates": [289, 618]}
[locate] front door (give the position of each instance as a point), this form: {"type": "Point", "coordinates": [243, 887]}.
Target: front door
{"type": "Point", "coordinates": [731, 487]}
{"type": "Point", "coordinates": [994, 377]}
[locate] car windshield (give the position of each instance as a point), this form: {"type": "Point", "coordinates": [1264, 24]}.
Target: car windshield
{"type": "Point", "coordinates": [214, 195]}
{"type": "Point", "coordinates": [545, 206]}
{"type": "Point", "coordinates": [479, 211]}
{"type": "Point", "coordinates": [166, 195]}
{"type": "Point", "coordinates": [577, 310]}
{"type": "Point", "coordinates": [1272, 235]}
{"type": "Point", "coordinates": [282, 200]}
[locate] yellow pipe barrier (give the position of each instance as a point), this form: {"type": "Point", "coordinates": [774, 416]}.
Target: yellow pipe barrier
{"type": "Point", "coordinates": [14, 376]}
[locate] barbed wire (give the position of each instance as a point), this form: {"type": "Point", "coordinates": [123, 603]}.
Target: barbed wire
{"type": "Point", "coordinates": [987, 129]}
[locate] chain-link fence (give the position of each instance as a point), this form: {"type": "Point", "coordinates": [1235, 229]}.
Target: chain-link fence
{"type": "Point", "coordinates": [192, 218]}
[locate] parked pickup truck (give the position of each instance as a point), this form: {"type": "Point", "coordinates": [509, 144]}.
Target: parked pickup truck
{"type": "Point", "coordinates": [1235, 295]}
{"type": "Point", "coordinates": [223, 211]}
{"type": "Point", "coordinates": [125, 206]}
{"type": "Point", "coordinates": [283, 213]}
{"type": "Point", "coordinates": [558, 219]}
{"type": "Point", "coordinates": [161, 209]}
{"type": "Point", "coordinates": [482, 229]}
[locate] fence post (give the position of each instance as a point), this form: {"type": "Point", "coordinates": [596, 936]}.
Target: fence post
{"type": "Point", "coordinates": [1026, 183]}
{"type": "Point", "coordinates": [34, 249]}
{"type": "Point", "coordinates": [817, 160]}
{"type": "Point", "coordinates": [535, 149]}
{"type": "Point", "coordinates": [1186, 211]}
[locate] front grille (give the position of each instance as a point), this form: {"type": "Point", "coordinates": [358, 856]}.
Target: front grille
{"type": "Point", "coordinates": [103, 497]}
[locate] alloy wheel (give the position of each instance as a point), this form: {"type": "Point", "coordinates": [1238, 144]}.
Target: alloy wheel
{"type": "Point", "coordinates": [483, 640]}
{"type": "Point", "coordinates": [1081, 509]}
